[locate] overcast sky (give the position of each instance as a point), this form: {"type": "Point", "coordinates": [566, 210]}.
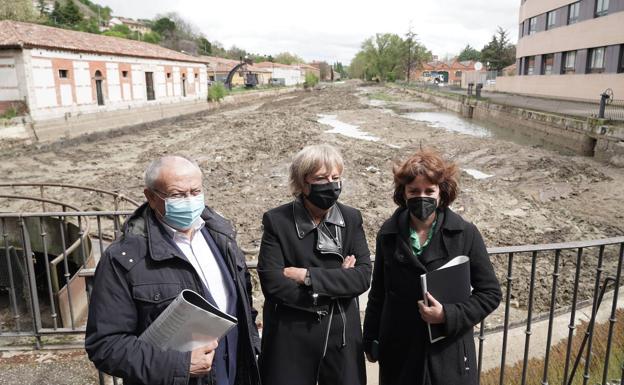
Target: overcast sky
{"type": "Point", "coordinates": [334, 30]}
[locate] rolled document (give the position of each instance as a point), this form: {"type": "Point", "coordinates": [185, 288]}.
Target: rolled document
{"type": "Point", "coordinates": [187, 323]}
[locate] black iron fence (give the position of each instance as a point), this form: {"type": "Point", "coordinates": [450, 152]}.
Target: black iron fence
{"type": "Point", "coordinates": [47, 287]}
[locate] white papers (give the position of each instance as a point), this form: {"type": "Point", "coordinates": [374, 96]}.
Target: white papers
{"type": "Point", "coordinates": [187, 323]}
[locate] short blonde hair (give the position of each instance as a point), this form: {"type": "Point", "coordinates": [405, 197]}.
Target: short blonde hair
{"type": "Point", "coordinates": [308, 161]}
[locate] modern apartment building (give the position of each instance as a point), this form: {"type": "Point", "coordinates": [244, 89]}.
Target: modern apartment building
{"type": "Point", "coordinates": [569, 49]}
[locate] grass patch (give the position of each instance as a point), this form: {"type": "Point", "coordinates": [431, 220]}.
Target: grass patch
{"type": "Point", "coordinates": [381, 96]}
{"type": "Point", "coordinates": [535, 368]}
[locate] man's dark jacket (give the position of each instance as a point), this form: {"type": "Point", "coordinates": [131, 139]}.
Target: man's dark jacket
{"type": "Point", "coordinates": [406, 357]}
{"type": "Point", "coordinates": [135, 280]}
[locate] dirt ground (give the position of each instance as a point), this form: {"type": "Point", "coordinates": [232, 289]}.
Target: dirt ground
{"type": "Point", "coordinates": [534, 195]}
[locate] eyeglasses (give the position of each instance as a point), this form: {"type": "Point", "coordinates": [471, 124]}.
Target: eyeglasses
{"type": "Point", "coordinates": [178, 195]}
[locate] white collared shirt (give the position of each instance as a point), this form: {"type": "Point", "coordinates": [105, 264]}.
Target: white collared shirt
{"type": "Point", "coordinates": [198, 253]}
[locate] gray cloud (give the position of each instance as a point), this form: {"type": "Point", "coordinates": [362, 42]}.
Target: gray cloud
{"type": "Point", "coordinates": [334, 31]}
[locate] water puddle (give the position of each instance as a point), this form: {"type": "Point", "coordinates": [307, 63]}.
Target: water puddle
{"type": "Point", "coordinates": [477, 174]}
{"type": "Point", "coordinates": [345, 129]}
{"type": "Point", "coordinates": [450, 122]}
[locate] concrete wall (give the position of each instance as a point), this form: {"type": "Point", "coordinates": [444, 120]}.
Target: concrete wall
{"type": "Point", "coordinates": [50, 96]}
{"type": "Point", "coordinates": [587, 87]}
{"type": "Point", "coordinates": [100, 122]}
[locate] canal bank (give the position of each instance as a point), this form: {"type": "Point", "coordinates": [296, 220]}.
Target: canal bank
{"type": "Point", "coordinates": [598, 138]}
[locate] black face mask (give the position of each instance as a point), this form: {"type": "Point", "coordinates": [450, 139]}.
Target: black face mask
{"type": "Point", "coordinates": [422, 207]}
{"type": "Point", "coordinates": [324, 195]}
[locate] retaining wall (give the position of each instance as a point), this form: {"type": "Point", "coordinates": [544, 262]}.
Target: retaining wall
{"type": "Point", "coordinates": [590, 137]}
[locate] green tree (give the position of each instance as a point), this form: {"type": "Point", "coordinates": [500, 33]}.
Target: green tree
{"type": "Point", "coordinates": [151, 37]}
{"type": "Point", "coordinates": [469, 53]}
{"type": "Point", "coordinates": [357, 67]}
{"type": "Point", "coordinates": [204, 46]}
{"type": "Point", "coordinates": [19, 10]}
{"type": "Point", "coordinates": [414, 53]}
{"type": "Point", "coordinates": [164, 26]}
{"type": "Point", "coordinates": [71, 14]}
{"type": "Point", "coordinates": [287, 58]}
{"type": "Point", "coordinates": [384, 56]}
{"type": "Point", "coordinates": [499, 52]}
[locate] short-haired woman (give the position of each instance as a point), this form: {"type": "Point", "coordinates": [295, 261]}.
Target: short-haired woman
{"type": "Point", "coordinates": [314, 263]}
{"type": "Point", "coordinates": [422, 235]}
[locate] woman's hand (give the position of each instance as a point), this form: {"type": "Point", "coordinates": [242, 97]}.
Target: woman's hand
{"type": "Point", "coordinates": [348, 262]}
{"type": "Point", "coordinates": [296, 274]}
{"type": "Point", "coordinates": [434, 313]}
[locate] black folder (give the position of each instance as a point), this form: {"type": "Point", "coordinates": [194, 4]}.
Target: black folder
{"type": "Point", "coordinates": [448, 284]}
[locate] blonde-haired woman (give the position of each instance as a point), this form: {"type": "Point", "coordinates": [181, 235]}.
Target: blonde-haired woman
{"type": "Point", "coordinates": [314, 263]}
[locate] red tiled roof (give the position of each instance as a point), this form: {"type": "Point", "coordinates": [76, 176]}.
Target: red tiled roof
{"type": "Point", "coordinates": [14, 34]}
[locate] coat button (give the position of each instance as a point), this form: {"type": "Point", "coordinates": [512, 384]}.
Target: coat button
{"type": "Point", "coordinates": [123, 253]}
{"type": "Point", "coordinates": [131, 260]}
{"type": "Point", "coordinates": [320, 246]}
{"type": "Point", "coordinates": [157, 297]}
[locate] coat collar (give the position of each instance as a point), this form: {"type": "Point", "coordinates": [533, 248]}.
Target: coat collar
{"type": "Point", "coordinates": [448, 223]}
{"type": "Point", "coordinates": [305, 224]}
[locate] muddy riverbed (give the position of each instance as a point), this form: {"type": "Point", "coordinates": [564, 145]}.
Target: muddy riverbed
{"type": "Point", "coordinates": [516, 192]}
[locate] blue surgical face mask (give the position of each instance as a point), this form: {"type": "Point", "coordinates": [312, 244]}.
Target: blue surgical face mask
{"type": "Point", "coordinates": [181, 213]}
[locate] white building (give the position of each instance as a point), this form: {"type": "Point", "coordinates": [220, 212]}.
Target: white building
{"type": "Point", "coordinates": [285, 74]}
{"type": "Point", "coordinates": [52, 72]}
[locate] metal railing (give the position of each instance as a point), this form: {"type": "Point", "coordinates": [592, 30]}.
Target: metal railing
{"type": "Point", "coordinates": [554, 277]}
{"type": "Point", "coordinates": [614, 110]}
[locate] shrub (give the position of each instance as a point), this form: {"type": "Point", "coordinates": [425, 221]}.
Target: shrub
{"type": "Point", "coordinates": [216, 92]}
{"type": "Point", "coordinates": [310, 80]}
{"type": "Point", "coordinates": [10, 113]}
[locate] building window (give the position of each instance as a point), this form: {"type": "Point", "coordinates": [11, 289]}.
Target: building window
{"type": "Point", "coordinates": [124, 74]}
{"type": "Point", "coordinates": [168, 75]}
{"type": "Point", "coordinates": [530, 66]}
{"type": "Point", "coordinates": [532, 25]}
{"type": "Point", "coordinates": [196, 75]}
{"type": "Point", "coordinates": [547, 64]}
{"type": "Point", "coordinates": [551, 19]}
{"type": "Point", "coordinates": [621, 64]}
{"type": "Point", "coordinates": [63, 74]}
{"type": "Point", "coordinates": [602, 7]}
{"type": "Point", "coordinates": [573, 12]}
{"type": "Point", "coordinates": [596, 60]}
{"type": "Point", "coordinates": [569, 62]}
{"type": "Point", "coordinates": [458, 74]}
{"type": "Point", "coordinates": [522, 29]}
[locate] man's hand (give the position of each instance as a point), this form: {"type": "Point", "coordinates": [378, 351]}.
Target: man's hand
{"type": "Point", "coordinates": [434, 313]}
{"type": "Point", "coordinates": [348, 262]}
{"type": "Point", "coordinates": [296, 274]}
{"type": "Point", "coordinates": [370, 358]}
{"type": "Point", "coordinates": [201, 359]}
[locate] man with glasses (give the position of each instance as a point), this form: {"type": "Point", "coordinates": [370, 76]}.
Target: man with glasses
{"type": "Point", "coordinates": [171, 243]}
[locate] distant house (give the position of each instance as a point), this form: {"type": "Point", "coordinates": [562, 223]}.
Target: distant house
{"type": "Point", "coordinates": [133, 25]}
{"type": "Point", "coordinates": [56, 72]}
{"type": "Point", "coordinates": [307, 68]}
{"type": "Point", "coordinates": [288, 75]}
{"type": "Point", "coordinates": [218, 69]}
{"type": "Point", "coordinates": [444, 71]}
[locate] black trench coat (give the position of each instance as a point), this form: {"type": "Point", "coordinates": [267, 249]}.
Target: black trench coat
{"type": "Point", "coordinates": [295, 323]}
{"type": "Point", "coordinates": [405, 354]}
